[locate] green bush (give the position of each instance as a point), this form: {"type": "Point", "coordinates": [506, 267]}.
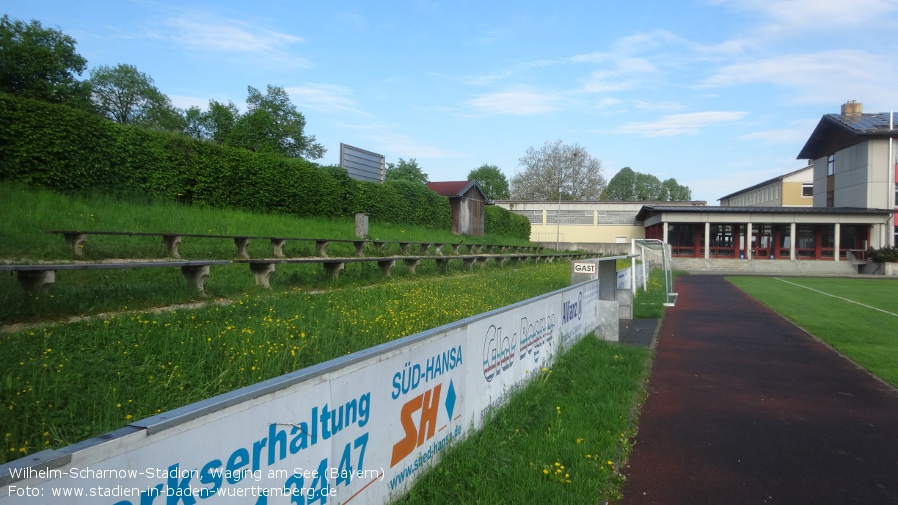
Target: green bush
{"type": "Point", "coordinates": [500, 221]}
{"type": "Point", "coordinates": [885, 254]}
{"type": "Point", "coordinates": [69, 150]}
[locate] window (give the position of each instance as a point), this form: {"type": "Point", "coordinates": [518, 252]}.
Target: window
{"type": "Point", "coordinates": [569, 217]}
{"type": "Point", "coordinates": [807, 189]}
{"type": "Point", "coordinates": [534, 216]}
{"type": "Point", "coordinates": [831, 164]}
{"type": "Point", "coordinates": [681, 238]}
{"type": "Point", "coordinates": [618, 217]}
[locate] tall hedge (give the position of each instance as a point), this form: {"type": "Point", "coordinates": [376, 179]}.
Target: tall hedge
{"type": "Point", "coordinates": [500, 221]}
{"type": "Point", "coordinates": [69, 150]}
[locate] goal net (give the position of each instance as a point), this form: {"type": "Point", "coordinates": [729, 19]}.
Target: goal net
{"type": "Point", "coordinates": [654, 254]}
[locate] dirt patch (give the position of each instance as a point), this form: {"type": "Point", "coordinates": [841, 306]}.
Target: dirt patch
{"type": "Point", "coordinates": [13, 328]}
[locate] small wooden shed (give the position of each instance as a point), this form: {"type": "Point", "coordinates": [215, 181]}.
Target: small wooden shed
{"type": "Point", "coordinates": [467, 201]}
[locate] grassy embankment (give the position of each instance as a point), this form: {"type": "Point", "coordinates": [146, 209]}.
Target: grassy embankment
{"type": "Point", "coordinates": [67, 382]}
{"type": "Point", "coordinates": [27, 213]}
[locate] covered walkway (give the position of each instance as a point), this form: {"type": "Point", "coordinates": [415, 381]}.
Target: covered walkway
{"type": "Point", "coordinates": [776, 233]}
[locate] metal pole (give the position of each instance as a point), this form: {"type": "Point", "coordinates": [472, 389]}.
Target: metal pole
{"type": "Point", "coordinates": [890, 199]}
{"type": "Point", "coordinates": [558, 217]}
{"type": "Point", "coordinates": [645, 273]}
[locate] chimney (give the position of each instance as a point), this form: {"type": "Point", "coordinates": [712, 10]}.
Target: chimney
{"type": "Point", "coordinates": [852, 108]}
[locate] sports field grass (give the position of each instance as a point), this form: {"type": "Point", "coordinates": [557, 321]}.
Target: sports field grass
{"type": "Point", "coordinates": [857, 317]}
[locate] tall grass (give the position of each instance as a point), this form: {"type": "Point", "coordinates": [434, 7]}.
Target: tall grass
{"type": "Point", "coordinates": [559, 440]}
{"type": "Point", "coordinates": [30, 212]}
{"type": "Point", "coordinates": [61, 384]}
{"type": "Point", "coordinates": [649, 304]}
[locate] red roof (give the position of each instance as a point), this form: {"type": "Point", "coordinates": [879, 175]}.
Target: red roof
{"type": "Point", "coordinates": [450, 188]}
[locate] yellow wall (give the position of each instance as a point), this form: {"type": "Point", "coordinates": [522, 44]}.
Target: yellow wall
{"type": "Point", "coordinates": [792, 195]}
{"type": "Point", "coordinates": [585, 234]}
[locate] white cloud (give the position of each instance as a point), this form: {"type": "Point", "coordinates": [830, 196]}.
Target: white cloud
{"type": "Point", "coordinates": [823, 77]}
{"type": "Point", "coordinates": [513, 70]}
{"type": "Point", "coordinates": [517, 103]}
{"type": "Point", "coordinates": [681, 124]}
{"type": "Point", "coordinates": [325, 98]}
{"type": "Point", "coordinates": [407, 147]}
{"type": "Point", "coordinates": [186, 102]}
{"type": "Point", "coordinates": [794, 136]}
{"type": "Point", "coordinates": [665, 106]}
{"type": "Point", "coordinates": [802, 16]}
{"type": "Point", "coordinates": [395, 144]}
{"type": "Point", "coordinates": [203, 31]}
{"type": "Point", "coordinates": [622, 74]}
{"type": "Point", "coordinates": [620, 69]}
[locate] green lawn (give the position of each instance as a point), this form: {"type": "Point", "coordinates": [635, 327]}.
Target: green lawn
{"type": "Point", "coordinates": [866, 335]}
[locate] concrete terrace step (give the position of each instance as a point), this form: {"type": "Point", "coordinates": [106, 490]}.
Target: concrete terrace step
{"type": "Point", "coordinates": [763, 267]}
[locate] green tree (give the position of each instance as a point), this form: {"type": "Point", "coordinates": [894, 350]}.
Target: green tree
{"type": "Point", "coordinates": [405, 171]}
{"type": "Point", "coordinates": [648, 188]}
{"type": "Point", "coordinates": [256, 131]}
{"type": "Point", "coordinates": [128, 96]}
{"type": "Point", "coordinates": [558, 171]}
{"type": "Point", "coordinates": [193, 122]}
{"type": "Point", "coordinates": [621, 187]}
{"type": "Point", "coordinates": [491, 180]}
{"type": "Point", "coordinates": [630, 186]}
{"type": "Point", "coordinates": [675, 192]}
{"type": "Point", "coordinates": [218, 121]}
{"type": "Point", "coordinates": [272, 124]}
{"type": "Point", "coordinates": [41, 63]}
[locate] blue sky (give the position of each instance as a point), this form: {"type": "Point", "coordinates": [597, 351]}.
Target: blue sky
{"type": "Point", "coordinates": [719, 94]}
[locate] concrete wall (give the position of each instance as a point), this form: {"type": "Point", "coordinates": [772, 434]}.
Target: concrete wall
{"type": "Point", "coordinates": [601, 249]}
{"type": "Point", "coordinates": [585, 234]}
{"type": "Point", "coordinates": [861, 177]}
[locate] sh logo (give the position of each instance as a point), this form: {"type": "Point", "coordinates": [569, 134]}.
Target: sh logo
{"type": "Point", "coordinates": [415, 435]}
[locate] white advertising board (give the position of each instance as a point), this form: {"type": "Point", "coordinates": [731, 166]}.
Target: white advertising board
{"type": "Point", "coordinates": [585, 267]}
{"type": "Point", "coordinates": [357, 430]}
{"type": "Point", "coordinates": [625, 278]}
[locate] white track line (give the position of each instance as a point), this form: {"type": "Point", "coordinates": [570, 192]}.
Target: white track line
{"type": "Point", "coordinates": [839, 297]}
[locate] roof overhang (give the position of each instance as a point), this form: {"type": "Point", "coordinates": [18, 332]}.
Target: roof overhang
{"type": "Point", "coordinates": [651, 214]}
{"type": "Point", "coordinates": [836, 132]}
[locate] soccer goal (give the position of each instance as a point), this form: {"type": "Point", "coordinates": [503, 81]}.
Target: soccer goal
{"type": "Point", "coordinates": [653, 253]}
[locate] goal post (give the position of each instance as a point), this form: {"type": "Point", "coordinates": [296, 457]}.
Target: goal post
{"type": "Point", "coordinates": [654, 253]}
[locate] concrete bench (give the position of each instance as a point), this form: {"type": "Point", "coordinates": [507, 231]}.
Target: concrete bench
{"type": "Point", "coordinates": [33, 277]}
{"type": "Point", "coordinates": [263, 268]}
{"type": "Point", "coordinates": [76, 240]}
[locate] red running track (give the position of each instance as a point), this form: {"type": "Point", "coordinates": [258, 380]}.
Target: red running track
{"type": "Point", "coordinates": [745, 407]}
